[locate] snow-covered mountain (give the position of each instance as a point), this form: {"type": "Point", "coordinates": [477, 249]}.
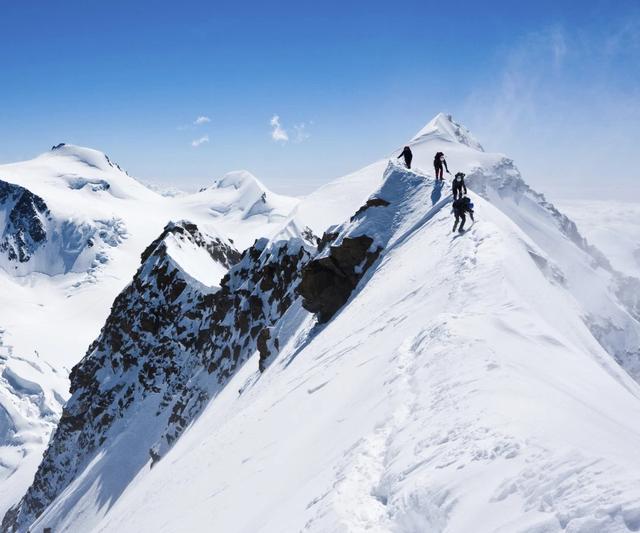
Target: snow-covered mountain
{"type": "Point", "coordinates": [389, 376]}
{"type": "Point", "coordinates": [72, 227]}
{"type": "Point", "coordinates": [241, 207]}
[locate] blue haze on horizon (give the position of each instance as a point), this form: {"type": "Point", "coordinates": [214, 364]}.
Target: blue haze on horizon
{"type": "Point", "coordinates": [300, 93]}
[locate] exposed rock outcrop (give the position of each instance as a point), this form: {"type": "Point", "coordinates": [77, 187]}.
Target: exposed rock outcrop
{"type": "Point", "coordinates": [168, 346]}
{"type": "Point", "coordinates": [347, 251]}
{"type": "Point", "coordinates": [371, 202]}
{"type": "Point", "coordinates": [25, 216]}
{"type": "Point", "coordinates": [327, 281]}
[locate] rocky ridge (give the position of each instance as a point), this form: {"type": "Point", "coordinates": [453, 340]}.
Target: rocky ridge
{"type": "Point", "coordinates": [168, 347]}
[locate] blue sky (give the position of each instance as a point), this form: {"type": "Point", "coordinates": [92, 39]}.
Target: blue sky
{"type": "Point", "coordinates": [553, 84]}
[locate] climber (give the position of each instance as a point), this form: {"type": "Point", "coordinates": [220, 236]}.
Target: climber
{"type": "Point", "coordinates": [408, 156]}
{"type": "Point", "coordinates": [458, 185]}
{"type": "Point", "coordinates": [460, 207]}
{"type": "Point", "coordinates": [438, 161]}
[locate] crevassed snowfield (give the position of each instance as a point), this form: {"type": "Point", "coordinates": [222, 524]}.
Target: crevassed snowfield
{"type": "Point", "coordinates": [483, 382]}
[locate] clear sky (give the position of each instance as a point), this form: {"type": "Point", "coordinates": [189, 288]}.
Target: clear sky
{"type": "Point", "coordinates": [300, 92]}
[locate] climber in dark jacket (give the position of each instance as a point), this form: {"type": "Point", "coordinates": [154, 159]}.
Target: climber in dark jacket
{"type": "Point", "coordinates": [458, 185]}
{"type": "Point", "coordinates": [408, 156]}
{"type": "Point", "coordinates": [460, 207]}
{"type": "Point", "coordinates": [438, 161]}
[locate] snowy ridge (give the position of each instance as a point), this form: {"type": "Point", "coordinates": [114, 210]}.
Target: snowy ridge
{"type": "Point", "coordinates": [610, 301]}
{"type": "Point", "coordinates": [444, 390]}
{"type": "Point", "coordinates": [137, 354]}
{"type": "Point", "coordinates": [398, 377]}
{"type": "Point", "coordinates": [167, 348]}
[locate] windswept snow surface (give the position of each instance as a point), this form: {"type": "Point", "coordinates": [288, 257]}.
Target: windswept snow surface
{"type": "Point", "coordinates": [458, 390]}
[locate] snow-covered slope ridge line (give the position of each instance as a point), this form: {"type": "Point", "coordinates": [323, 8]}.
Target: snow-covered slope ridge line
{"type": "Point", "coordinates": [458, 389]}
{"type": "Point", "coordinates": [167, 348]}
{"type": "Point", "coordinates": [609, 301]}
{"type": "Point", "coordinates": [70, 205]}
{"type": "Point", "coordinates": [348, 250]}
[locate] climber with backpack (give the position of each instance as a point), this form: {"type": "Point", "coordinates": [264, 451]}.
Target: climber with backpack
{"type": "Point", "coordinates": [460, 207]}
{"type": "Point", "coordinates": [408, 156]}
{"type": "Point", "coordinates": [458, 185]}
{"type": "Point", "coordinates": [438, 162]}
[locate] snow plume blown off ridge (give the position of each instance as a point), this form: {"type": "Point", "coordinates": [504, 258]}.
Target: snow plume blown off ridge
{"type": "Point", "coordinates": [389, 376]}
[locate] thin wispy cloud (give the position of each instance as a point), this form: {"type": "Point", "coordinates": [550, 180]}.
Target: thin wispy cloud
{"type": "Point", "coordinates": [531, 72]}
{"type": "Point", "coordinates": [200, 120]}
{"type": "Point", "coordinates": [561, 104]}
{"type": "Point", "coordinates": [278, 133]}
{"type": "Point", "coordinates": [198, 142]}
{"type": "Point", "coordinates": [301, 133]}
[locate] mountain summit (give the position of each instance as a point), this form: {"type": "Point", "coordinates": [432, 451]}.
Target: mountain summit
{"type": "Point", "coordinates": [88, 156]}
{"type": "Point", "coordinates": [444, 128]}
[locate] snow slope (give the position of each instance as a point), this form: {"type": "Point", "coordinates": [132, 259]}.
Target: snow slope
{"type": "Point", "coordinates": [609, 300]}
{"type": "Point", "coordinates": [458, 390]}
{"type": "Point", "coordinates": [614, 227]}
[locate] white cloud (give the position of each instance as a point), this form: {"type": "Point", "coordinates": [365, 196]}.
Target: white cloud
{"type": "Point", "coordinates": [201, 120]}
{"type": "Point", "coordinates": [197, 142]}
{"type": "Point", "coordinates": [301, 133]}
{"type": "Point", "coordinates": [278, 133]}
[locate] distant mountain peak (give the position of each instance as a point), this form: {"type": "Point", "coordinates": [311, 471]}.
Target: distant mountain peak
{"type": "Point", "coordinates": [443, 127]}
{"type": "Point", "coordinates": [237, 179]}
{"type": "Point", "coordinates": [88, 156]}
